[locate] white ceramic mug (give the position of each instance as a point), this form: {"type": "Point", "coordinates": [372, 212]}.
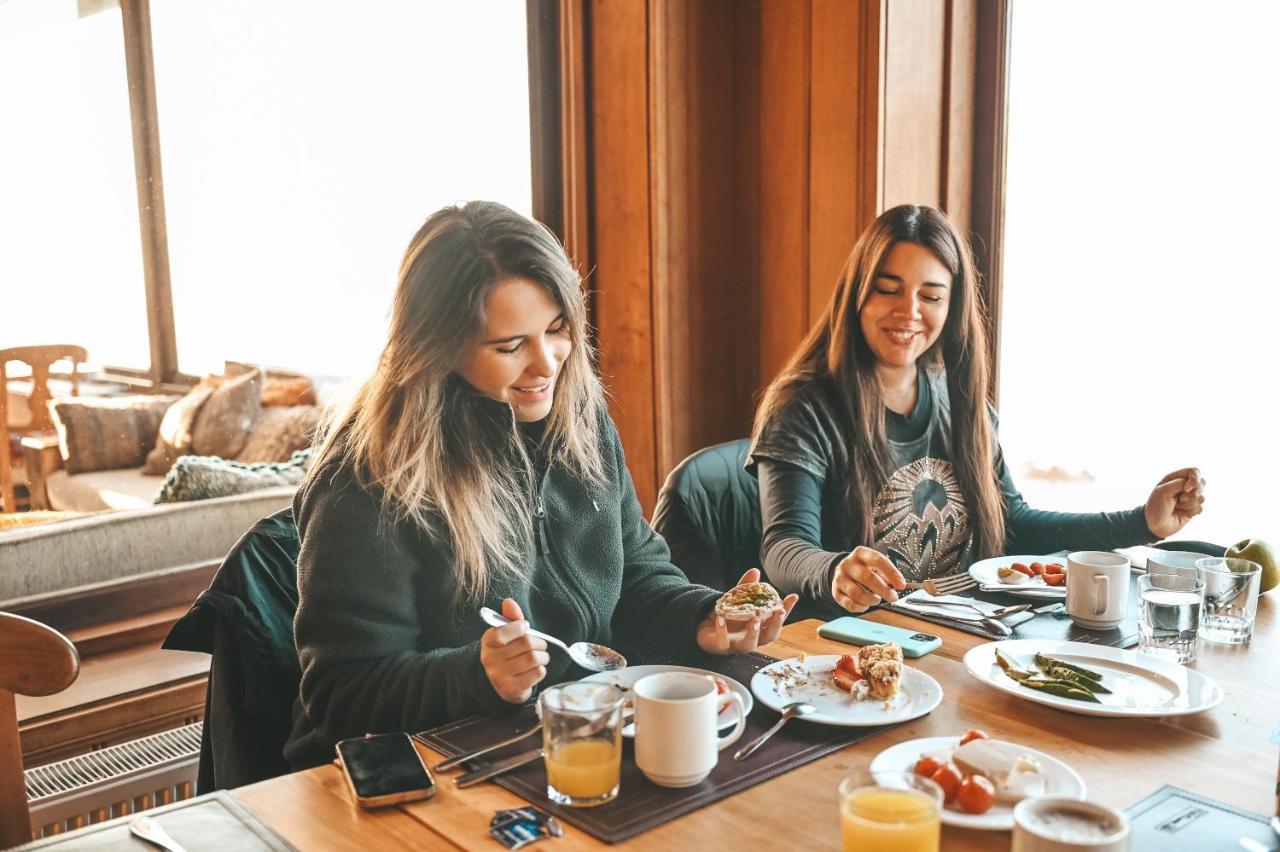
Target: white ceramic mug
{"type": "Point", "coordinates": [1068, 825]}
{"type": "Point", "coordinates": [676, 742]}
{"type": "Point", "coordinates": [1097, 588]}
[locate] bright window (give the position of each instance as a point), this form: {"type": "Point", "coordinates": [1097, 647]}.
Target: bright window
{"type": "Point", "coordinates": [1141, 294]}
{"type": "Point", "coordinates": [70, 250]}
{"type": "Point", "coordinates": [305, 142]}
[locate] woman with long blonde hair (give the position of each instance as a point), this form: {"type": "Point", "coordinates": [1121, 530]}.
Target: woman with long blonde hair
{"type": "Point", "coordinates": [477, 466]}
{"type": "Point", "coordinates": [875, 447]}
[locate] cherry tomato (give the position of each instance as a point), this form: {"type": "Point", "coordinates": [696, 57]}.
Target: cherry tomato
{"type": "Point", "coordinates": [949, 779]}
{"type": "Point", "coordinates": [973, 734]}
{"type": "Point", "coordinates": [976, 794]}
{"type": "Point", "coordinates": [1018, 566]}
{"type": "Point", "coordinates": [1055, 579]}
{"type": "Point", "coordinates": [1037, 568]}
{"type": "Point", "coordinates": [926, 766]}
{"type": "Point", "coordinates": [1054, 568]}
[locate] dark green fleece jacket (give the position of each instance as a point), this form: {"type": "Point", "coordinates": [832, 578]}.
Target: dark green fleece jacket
{"type": "Point", "coordinates": [383, 646]}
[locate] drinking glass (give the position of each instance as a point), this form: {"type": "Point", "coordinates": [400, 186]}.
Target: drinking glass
{"type": "Point", "coordinates": [582, 742]}
{"type": "Point", "coordinates": [1230, 598]}
{"type": "Point", "coordinates": [1169, 615]}
{"type": "Point", "coordinates": [898, 812]}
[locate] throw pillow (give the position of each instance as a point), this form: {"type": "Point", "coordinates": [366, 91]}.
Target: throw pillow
{"type": "Point", "coordinates": [202, 477]}
{"type": "Point", "coordinates": [106, 433]}
{"type": "Point", "coordinates": [278, 433]}
{"type": "Point", "coordinates": [288, 392]}
{"type": "Point", "coordinates": [223, 424]}
{"type": "Point", "coordinates": [175, 436]}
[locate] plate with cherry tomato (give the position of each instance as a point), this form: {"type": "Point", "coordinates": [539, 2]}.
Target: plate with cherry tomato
{"type": "Point", "coordinates": [1025, 576]}
{"type": "Point", "coordinates": [973, 798]}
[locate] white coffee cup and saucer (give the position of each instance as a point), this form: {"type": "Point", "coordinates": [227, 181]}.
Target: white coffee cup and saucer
{"type": "Point", "coordinates": [1056, 824]}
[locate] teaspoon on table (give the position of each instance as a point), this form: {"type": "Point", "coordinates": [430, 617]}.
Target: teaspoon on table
{"type": "Point", "coordinates": [589, 655]}
{"type": "Point", "coordinates": [795, 710]}
{"type": "Point", "coordinates": [149, 830]}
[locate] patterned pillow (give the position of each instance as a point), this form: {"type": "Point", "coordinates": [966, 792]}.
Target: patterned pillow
{"type": "Point", "coordinates": [279, 432]}
{"type": "Point", "coordinates": [202, 477]}
{"type": "Point", "coordinates": [227, 415]}
{"type": "Point", "coordinates": [107, 433]}
{"type": "Point", "coordinates": [175, 436]}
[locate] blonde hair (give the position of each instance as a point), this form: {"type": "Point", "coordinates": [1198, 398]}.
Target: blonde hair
{"type": "Point", "coordinates": [432, 449]}
{"type": "Point", "coordinates": [836, 351]}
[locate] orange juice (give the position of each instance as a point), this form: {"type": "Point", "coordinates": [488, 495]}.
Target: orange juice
{"type": "Point", "coordinates": [584, 769]}
{"type": "Point", "coordinates": [882, 820]}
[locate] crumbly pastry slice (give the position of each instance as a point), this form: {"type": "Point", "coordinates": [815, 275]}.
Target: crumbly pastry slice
{"type": "Point", "coordinates": [881, 668]}
{"type": "Point", "coordinates": [748, 601]}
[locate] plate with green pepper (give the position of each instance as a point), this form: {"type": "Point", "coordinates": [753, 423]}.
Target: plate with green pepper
{"type": "Point", "coordinates": [1091, 679]}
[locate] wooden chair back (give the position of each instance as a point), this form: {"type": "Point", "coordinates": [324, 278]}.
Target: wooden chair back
{"type": "Point", "coordinates": [34, 660]}
{"type": "Point", "coordinates": [39, 359]}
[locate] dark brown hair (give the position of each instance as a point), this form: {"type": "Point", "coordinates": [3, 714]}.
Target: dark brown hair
{"type": "Point", "coordinates": [835, 351]}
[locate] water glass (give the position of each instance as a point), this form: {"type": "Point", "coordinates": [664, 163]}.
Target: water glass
{"type": "Point", "coordinates": [899, 812]}
{"type": "Point", "coordinates": [582, 742]}
{"type": "Point", "coordinates": [1169, 615]}
{"type": "Point", "coordinates": [1230, 598]}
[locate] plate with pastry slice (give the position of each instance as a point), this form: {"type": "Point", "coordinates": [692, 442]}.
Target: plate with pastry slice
{"type": "Point", "coordinates": [870, 687]}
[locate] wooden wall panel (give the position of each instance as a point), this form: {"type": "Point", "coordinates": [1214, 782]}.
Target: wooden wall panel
{"type": "Point", "coordinates": [620, 228]}
{"type": "Point", "coordinates": [915, 47]}
{"type": "Point", "coordinates": [783, 218]}
{"type": "Point", "coordinates": [958, 115]}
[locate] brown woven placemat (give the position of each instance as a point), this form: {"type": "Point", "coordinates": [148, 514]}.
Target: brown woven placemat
{"type": "Point", "coordinates": [641, 804]}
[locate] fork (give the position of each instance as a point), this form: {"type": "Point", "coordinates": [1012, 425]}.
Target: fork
{"type": "Point", "coordinates": [945, 586]}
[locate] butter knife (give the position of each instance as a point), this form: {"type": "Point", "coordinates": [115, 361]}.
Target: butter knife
{"type": "Point", "coordinates": [472, 778]}
{"type": "Point", "coordinates": [450, 762]}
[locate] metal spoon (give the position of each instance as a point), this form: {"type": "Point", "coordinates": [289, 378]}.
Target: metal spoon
{"type": "Point", "coordinates": [589, 655]}
{"type": "Point", "coordinates": [795, 710]}
{"type": "Point", "coordinates": [992, 624]}
{"type": "Point", "coordinates": [995, 613]}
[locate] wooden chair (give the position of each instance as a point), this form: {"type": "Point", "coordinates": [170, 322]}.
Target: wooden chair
{"type": "Point", "coordinates": [39, 359]}
{"type": "Point", "coordinates": [34, 660]}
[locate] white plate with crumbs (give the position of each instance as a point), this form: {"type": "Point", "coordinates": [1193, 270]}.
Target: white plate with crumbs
{"type": "Point", "coordinates": [787, 681]}
{"type": "Point", "coordinates": [1137, 685]}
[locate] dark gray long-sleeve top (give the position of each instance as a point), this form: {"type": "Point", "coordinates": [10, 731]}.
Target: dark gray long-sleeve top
{"type": "Point", "coordinates": [921, 519]}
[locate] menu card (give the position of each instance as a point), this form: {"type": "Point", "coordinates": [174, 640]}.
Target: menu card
{"type": "Point", "coordinates": [1172, 820]}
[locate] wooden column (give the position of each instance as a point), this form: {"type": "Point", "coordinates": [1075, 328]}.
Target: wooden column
{"type": "Point", "coordinates": [140, 68]}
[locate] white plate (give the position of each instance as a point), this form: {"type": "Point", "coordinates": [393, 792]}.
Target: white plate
{"type": "Point", "coordinates": [786, 681]}
{"type": "Point", "coordinates": [1140, 685]}
{"type": "Point", "coordinates": [627, 677]}
{"type": "Point", "coordinates": [985, 572]}
{"type": "Point", "coordinates": [1059, 778]}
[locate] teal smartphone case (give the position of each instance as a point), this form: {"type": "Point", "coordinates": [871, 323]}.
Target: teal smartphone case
{"type": "Point", "coordinates": [858, 631]}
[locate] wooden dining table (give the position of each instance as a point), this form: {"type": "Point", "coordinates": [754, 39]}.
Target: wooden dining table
{"type": "Point", "coordinates": [1224, 753]}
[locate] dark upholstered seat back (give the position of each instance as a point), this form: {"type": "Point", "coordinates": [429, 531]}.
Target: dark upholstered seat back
{"type": "Point", "coordinates": [709, 512]}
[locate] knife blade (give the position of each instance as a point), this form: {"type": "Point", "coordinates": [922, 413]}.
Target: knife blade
{"type": "Point", "coordinates": [450, 762]}
{"type": "Point", "coordinates": [471, 778]}
{"type": "Point", "coordinates": [1047, 593]}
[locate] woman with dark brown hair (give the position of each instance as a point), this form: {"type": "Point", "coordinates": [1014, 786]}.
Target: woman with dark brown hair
{"type": "Point", "coordinates": [875, 447]}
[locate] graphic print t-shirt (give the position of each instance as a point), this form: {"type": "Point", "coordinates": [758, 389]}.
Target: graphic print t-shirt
{"type": "Point", "coordinates": [920, 516]}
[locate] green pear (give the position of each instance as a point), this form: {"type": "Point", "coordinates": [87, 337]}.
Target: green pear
{"type": "Point", "coordinates": [1257, 550]}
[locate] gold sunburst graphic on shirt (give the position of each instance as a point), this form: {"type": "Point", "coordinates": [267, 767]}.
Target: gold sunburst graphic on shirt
{"type": "Point", "coordinates": [921, 519]}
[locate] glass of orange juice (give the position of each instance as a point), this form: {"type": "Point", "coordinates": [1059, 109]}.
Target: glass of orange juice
{"type": "Point", "coordinates": [897, 812]}
{"type": "Point", "coordinates": [582, 742]}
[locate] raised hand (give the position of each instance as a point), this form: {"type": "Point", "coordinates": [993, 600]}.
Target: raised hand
{"type": "Point", "coordinates": [1176, 499]}
{"type": "Point", "coordinates": [864, 578]}
{"type": "Point", "coordinates": [713, 632]}
{"type": "Point", "coordinates": [513, 660]}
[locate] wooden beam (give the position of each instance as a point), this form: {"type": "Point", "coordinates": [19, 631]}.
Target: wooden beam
{"type": "Point", "coordinates": [545, 127]}
{"type": "Point", "coordinates": [140, 70]}
{"type": "Point", "coordinates": [991, 107]}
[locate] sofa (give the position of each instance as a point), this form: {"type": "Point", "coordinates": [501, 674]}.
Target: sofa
{"type": "Point", "coordinates": [106, 546]}
{"type": "Point", "coordinates": [130, 452]}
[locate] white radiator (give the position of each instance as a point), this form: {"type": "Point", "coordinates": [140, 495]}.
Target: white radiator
{"type": "Point", "coordinates": [113, 781]}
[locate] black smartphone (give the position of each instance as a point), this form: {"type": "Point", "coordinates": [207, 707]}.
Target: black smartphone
{"type": "Point", "coordinates": [384, 769]}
